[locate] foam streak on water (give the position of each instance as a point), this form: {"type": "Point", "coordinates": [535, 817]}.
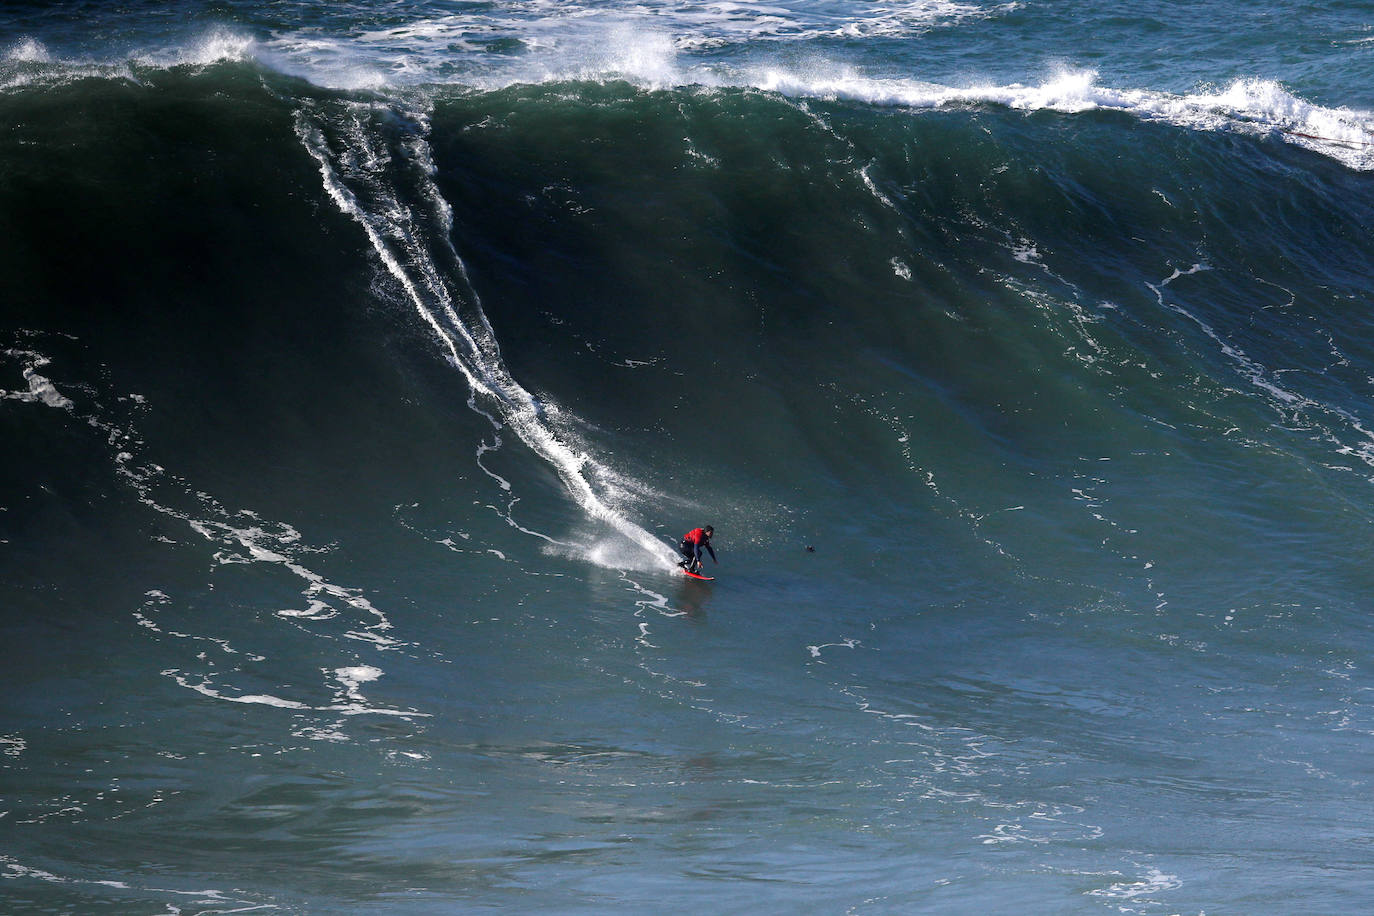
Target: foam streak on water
{"type": "Point", "coordinates": [471, 345]}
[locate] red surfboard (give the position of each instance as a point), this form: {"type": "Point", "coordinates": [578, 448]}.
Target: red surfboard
{"type": "Point", "coordinates": [696, 576]}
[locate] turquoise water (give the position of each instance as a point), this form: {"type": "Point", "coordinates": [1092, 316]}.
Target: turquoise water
{"type": "Point", "coordinates": [361, 365]}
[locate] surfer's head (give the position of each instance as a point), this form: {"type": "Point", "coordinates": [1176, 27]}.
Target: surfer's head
{"type": "Point", "coordinates": [709, 530]}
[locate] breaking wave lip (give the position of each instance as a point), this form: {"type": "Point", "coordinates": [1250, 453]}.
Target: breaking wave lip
{"type": "Point", "coordinates": [212, 46]}
{"type": "Point", "coordinates": [654, 61]}
{"type": "Point", "coordinates": [658, 53]}
{"type": "Point", "coordinates": [28, 62]}
{"type": "Point", "coordinates": [27, 50]}
{"type": "Point", "coordinates": [645, 51]}
{"type": "Point", "coordinates": [1254, 106]}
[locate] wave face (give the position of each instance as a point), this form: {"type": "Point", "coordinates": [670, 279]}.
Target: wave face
{"type": "Point", "coordinates": [360, 369]}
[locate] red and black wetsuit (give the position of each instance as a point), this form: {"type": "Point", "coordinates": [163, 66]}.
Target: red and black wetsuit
{"type": "Point", "coordinates": [692, 543]}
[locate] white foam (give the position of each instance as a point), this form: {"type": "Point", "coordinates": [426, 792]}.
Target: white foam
{"type": "Point", "coordinates": [329, 62]}
{"type": "Point", "coordinates": [350, 702]}
{"type": "Point", "coordinates": [646, 56]}
{"type": "Point", "coordinates": [1251, 105]}
{"type": "Point", "coordinates": [659, 45]}
{"type": "Point", "coordinates": [1152, 882]}
{"type": "Point", "coordinates": [244, 538]}
{"type": "Point", "coordinates": [318, 610]}
{"type": "Point", "coordinates": [265, 546]}
{"type": "Point", "coordinates": [41, 390]}
{"type": "Point", "coordinates": [545, 39]}
{"type": "Point", "coordinates": [1285, 401]}
{"type": "Point", "coordinates": [355, 676]}
{"type": "Point", "coordinates": [203, 687]}
{"type": "Point", "coordinates": [29, 51]}
{"type": "Point", "coordinates": [613, 553]}
{"type": "Point", "coordinates": [846, 643]}
{"type": "Point", "coordinates": [459, 325]}
{"type": "Point", "coordinates": [14, 869]}
{"type": "Point", "coordinates": [1247, 106]}
{"type": "Point", "coordinates": [651, 58]}
{"type": "Point", "coordinates": [217, 46]}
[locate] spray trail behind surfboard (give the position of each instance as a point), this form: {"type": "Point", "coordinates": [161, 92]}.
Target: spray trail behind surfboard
{"type": "Point", "coordinates": [376, 164]}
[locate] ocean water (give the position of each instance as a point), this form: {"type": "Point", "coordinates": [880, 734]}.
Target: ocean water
{"type": "Point", "coordinates": [362, 363]}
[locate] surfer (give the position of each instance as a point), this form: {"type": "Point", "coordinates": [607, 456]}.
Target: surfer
{"type": "Point", "coordinates": [692, 544]}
